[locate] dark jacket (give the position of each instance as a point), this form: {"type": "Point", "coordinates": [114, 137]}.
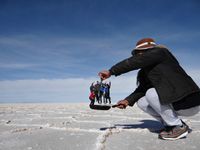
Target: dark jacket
{"type": "Point", "coordinates": [143, 85]}
{"type": "Point", "coordinates": [162, 71]}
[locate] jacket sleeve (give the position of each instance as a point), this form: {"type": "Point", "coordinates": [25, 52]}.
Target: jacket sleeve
{"type": "Point", "coordinates": [136, 95]}
{"type": "Point", "coordinates": [151, 57]}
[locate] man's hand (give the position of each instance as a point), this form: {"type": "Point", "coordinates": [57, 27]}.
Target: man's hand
{"type": "Point", "coordinates": [122, 104]}
{"type": "Point", "coordinates": [104, 74]}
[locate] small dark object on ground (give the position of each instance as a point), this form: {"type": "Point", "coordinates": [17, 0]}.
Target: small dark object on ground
{"type": "Point", "coordinates": [100, 107]}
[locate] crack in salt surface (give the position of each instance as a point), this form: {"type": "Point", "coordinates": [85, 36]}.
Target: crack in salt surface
{"type": "Point", "coordinates": [101, 139]}
{"type": "Point", "coordinates": [49, 126]}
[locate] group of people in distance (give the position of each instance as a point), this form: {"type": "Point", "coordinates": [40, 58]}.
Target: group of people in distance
{"type": "Point", "coordinates": [100, 92]}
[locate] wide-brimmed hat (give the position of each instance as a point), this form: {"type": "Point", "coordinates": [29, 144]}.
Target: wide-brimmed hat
{"type": "Point", "coordinates": [145, 43]}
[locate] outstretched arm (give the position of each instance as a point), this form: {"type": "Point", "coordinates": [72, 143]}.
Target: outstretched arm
{"type": "Point", "coordinates": [136, 95]}
{"type": "Point", "coordinates": [151, 57]}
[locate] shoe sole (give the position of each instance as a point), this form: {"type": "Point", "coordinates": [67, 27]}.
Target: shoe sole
{"type": "Point", "coordinates": [179, 137]}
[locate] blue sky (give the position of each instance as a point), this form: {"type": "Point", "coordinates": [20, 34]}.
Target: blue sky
{"type": "Point", "coordinates": [45, 45]}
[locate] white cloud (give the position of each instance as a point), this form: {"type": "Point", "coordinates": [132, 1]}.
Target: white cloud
{"type": "Point", "coordinates": [67, 90]}
{"type": "Point", "coordinates": [58, 51]}
{"type": "Point", "coordinates": [60, 90]}
{"type": "Point", "coordinates": [16, 65]}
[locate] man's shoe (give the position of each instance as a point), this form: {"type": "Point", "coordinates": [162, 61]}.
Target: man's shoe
{"type": "Point", "coordinates": [174, 132]}
{"type": "Point", "coordinates": [165, 130]}
{"type": "Point", "coordinates": [185, 125]}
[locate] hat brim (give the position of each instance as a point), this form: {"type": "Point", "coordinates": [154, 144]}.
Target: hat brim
{"type": "Point", "coordinates": [145, 47]}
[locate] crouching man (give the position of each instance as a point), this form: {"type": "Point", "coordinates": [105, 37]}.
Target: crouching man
{"type": "Point", "coordinates": [164, 91]}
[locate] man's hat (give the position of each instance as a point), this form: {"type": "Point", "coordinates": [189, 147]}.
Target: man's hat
{"type": "Point", "coordinates": [145, 43]}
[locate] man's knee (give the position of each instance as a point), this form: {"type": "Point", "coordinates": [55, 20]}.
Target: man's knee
{"type": "Point", "coordinates": [151, 94]}
{"type": "Point", "coordinates": [142, 103]}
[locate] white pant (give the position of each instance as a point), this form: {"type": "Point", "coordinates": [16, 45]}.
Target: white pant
{"type": "Point", "coordinates": [164, 113]}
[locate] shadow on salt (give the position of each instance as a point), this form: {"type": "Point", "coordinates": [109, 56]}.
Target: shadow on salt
{"type": "Point", "coordinates": [152, 125]}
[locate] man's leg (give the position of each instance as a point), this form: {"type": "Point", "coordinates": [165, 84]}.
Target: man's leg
{"type": "Point", "coordinates": [144, 105]}
{"type": "Point", "coordinates": [176, 128]}
{"type": "Point", "coordinates": [165, 111]}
